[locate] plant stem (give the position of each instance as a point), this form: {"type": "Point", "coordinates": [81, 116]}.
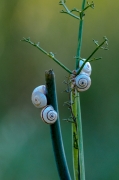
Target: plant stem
{"type": "Point", "coordinates": [81, 151]}
{"type": "Point", "coordinates": [75, 146]}
{"type": "Point", "coordinates": [78, 155]}
{"type": "Point", "coordinates": [80, 33]}
{"type": "Point", "coordinates": [89, 5]}
{"type": "Point", "coordinates": [79, 169]}
{"type": "Point", "coordinates": [50, 54]}
{"type": "Point", "coordinates": [98, 47]}
{"type": "Point", "coordinates": [68, 11]}
{"type": "Point", "coordinates": [55, 128]}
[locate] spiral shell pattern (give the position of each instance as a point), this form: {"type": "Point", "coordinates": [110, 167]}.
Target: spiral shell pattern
{"type": "Point", "coordinates": [49, 115]}
{"type": "Point", "coordinates": [87, 67]}
{"type": "Point", "coordinates": [38, 99]}
{"type": "Point", "coordinates": [83, 82]}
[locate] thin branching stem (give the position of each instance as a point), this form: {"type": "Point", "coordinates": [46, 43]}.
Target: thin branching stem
{"type": "Point", "coordinates": [85, 8]}
{"type": "Point", "coordinates": [98, 47]}
{"type": "Point", "coordinates": [69, 12]}
{"type": "Point", "coordinates": [94, 59]}
{"type": "Point", "coordinates": [50, 54]}
{"type": "Point", "coordinates": [62, 2]}
{"type": "Point", "coordinates": [89, 5]}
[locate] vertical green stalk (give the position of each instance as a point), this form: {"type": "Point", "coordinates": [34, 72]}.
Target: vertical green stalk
{"type": "Point", "coordinates": [78, 153]}
{"type": "Point", "coordinates": [80, 33]}
{"type": "Point", "coordinates": [81, 151]}
{"type": "Point", "coordinates": [75, 137]}
{"type": "Point", "coordinates": [55, 128]}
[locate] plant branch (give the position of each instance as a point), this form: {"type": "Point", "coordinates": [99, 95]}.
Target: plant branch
{"type": "Point", "coordinates": [98, 47]}
{"type": "Point", "coordinates": [50, 54]}
{"type": "Point", "coordinates": [94, 59]}
{"type": "Point", "coordinates": [69, 12]}
{"type": "Point", "coordinates": [62, 2]}
{"type": "Point", "coordinates": [88, 6]}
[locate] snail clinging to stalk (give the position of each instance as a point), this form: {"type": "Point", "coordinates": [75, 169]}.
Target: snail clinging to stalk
{"type": "Point", "coordinates": [39, 100]}
{"type": "Point", "coordinates": [38, 97]}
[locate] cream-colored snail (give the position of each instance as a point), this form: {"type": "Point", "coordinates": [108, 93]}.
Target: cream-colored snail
{"type": "Point", "coordinates": [82, 82]}
{"type": "Point", "coordinates": [87, 67]}
{"type": "Point", "coordinates": [38, 97]}
{"type": "Point", "coordinates": [49, 115]}
{"type": "Point", "coordinates": [41, 89]}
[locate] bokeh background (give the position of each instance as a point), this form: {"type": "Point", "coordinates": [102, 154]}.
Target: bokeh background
{"type": "Point", "coordinates": [25, 145]}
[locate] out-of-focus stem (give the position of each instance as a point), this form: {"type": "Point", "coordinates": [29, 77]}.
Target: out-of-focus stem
{"type": "Point", "coordinates": [55, 129]}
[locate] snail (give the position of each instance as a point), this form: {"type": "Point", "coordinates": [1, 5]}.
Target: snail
{"type": "Point", "coordinates": [87, 67]}
{"type": "Point", "coordinates": [82, 82]}
{"type": "Point", "coordinates": [38, 99]}
{"type": "Point", "coordinates": [49, 115]}
{"type": "Point", "coordinates": [41, 89]}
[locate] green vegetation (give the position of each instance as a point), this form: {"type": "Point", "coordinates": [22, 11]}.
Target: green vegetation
{"type": "Point", "coordinates": [25, 140]}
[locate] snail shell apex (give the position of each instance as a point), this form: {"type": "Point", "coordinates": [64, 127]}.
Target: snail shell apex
{"type": "Point", "coordinates": [83, 82]}
{"type": "Point", "coordinates": [49, 115]}
{"type": "Point", "coordinates": [87, 67]}
{"type": "Point", "coordinates": [38, 99]}
{"type": "Point", "coordinates": [41, 89]}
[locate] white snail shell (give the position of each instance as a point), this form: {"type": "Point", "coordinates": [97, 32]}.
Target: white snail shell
{"type": "Point", "coordinates": [38, 99]}
{"type": "Point", "coordinates": [87, 67]}
{"type": "Point", "coordinates": [83, 82]}
{"type": "Point", "coordinates": [41, 89]}
{"type": "Point", "coordinates": [49, 115]}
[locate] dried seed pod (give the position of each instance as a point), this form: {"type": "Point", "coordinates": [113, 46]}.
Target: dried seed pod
{"type": "Point", "coordinates": [38, 99]}
{"type": "Point", "coordinates": [49, 115]}
{"type": "Point", "coordinates": [87, 67]}
{"type": "Point", "coordinates": [83, 82]}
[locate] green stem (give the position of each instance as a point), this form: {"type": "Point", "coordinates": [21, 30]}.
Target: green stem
{"type": "Point", "coordinates": [75, 145]}
{"type": "Point", "coordinates": [55, 128]}
{"type": "Point", "coordinates": [81, 151]}
{"type": "Point", "coordinates": [78, 156]}
{"type": "Point", "coordinates": [51, 55]}
{"type": "Point", "coordinates": [68, 11]}
{"type": "Point", "coordinates": [71, 14]}
{"type": "Point", "coordinates": [80, 37]}
{"type": "Point", "coordinates": [89, 5]}
{"type": "Point", "coordinates": [78, 72]}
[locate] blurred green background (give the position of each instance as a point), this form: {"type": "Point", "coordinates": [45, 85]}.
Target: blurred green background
{"type": "Point", "coordinates": [25, 144]}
